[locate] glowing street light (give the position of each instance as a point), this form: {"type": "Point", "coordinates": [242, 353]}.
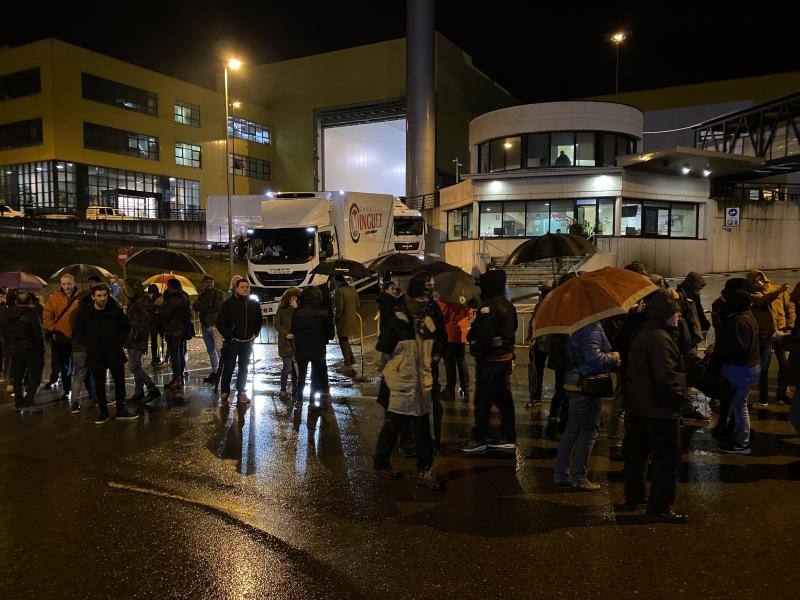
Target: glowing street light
{"type": "Point", "coordinates": [618, 39]}
{"type": "Point", "coordinates": [234, 64]}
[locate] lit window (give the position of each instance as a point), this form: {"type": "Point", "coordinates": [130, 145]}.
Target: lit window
{"type": "Point", "coordinates": [248, 130]}
{"type": "Point", "coordinates": [187, 114]}
{"type": "Point", "coordinates": [187, 155]}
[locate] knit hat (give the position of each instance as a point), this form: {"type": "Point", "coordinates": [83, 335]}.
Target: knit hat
{"type": "Point", "coordinates": [492, 283]}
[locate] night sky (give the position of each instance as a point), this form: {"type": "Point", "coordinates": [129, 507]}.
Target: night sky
{"type": "Point", "coordinates": [548, 51]}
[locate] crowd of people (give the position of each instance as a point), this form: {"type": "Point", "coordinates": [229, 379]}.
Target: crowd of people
{"type": "Point", "coordinates": [646, 362]}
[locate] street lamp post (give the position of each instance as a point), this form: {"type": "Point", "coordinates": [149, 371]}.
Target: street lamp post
{"type": "Point", "coordinates": [233, 64]}
{"type": "Point", "coordinates": [618, 38]}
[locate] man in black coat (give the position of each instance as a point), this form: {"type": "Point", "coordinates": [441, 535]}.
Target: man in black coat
{"type": "Point", "coordinates": [491, 340]}
{"type": "Point", "coordinates": [239, 322]}
{"type": "Point", "coordinates": [655, 388]}
{"type": "Point", "coordinates": [176, 318]}
{"type": "Point", "coordinates": [25, 339]}
{"type": "Point", "coordinates": [208, 305]}
{"type": "Point", "coordinates": [102, 328]}
{"type": "Point", "coordinates": [312, 328]}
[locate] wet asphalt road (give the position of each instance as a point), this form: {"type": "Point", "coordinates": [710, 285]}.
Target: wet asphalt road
{"type": "Point", "coordinates": [267, 501]}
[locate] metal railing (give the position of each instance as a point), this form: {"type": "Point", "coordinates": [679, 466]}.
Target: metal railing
{"type": "Point", "coordinates": [756, 192]}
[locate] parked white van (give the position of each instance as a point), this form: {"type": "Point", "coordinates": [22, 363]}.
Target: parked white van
{"type": "Point", "coordinates": [100, 213]}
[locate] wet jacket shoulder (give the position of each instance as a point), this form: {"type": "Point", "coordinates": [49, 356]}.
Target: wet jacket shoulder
{"type": "Point", "coordinates": [102, 333]}
{"type": "Point", "coordinates": [493, 331]}
{"type": "Point", "coordinates": [239, 319]}
{"type": "Point", "coordinates": [208, 304]}
{"type": "Point", "coordinates": [387, 305]}
{"type": "Point", "coordinates": [404, 355]}
{"type": "Point", "coordinates": [140, 316]}
{"type": "Point", "coordinates": [588, 350]}
{"type": "Point", "coordinates": [737, 341]}
{"type": "Point", "coordinates": [655, 377]}
{"type": "Point", "coordinates": [773, 310]}
{"type": "Point", "coordinates": [23, 330]}
{"type": "Point", "coordinates": [175, 313]}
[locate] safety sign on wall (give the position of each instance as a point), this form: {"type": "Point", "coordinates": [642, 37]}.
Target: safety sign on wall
{"type": "Point", "coordinates": [732, 217]}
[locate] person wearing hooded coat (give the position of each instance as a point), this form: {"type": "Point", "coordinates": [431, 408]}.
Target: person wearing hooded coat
{"type": "Point", "coordinates": [738, 350]}
{"type": "Point", "coordinates": [25, 337]}
{"type": "Point", "coordinates": [346, 304]}
{"type": "Point", "coordinates": [655, 388]}
{"type": "Point", "coordinates": [176, 317]}
{"type": "Point", "coordinates": [102, 328]}
{"type": "Point", "coordinates": [311, 329]}
{"type": "Point", "coordinates": [283, 325]}
{"type": "Point", "coordinates": [491, 341]}
{"type": "Point", "coordinates": [140, 316]}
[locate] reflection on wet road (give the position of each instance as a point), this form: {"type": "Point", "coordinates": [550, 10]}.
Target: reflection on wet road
{"type": "Point", "coordinates": [276, 500]}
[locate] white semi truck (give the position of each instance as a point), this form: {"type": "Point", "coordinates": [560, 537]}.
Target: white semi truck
{"type": "Point", "coordinates": [409, 230]}
{"type": "Point", "coordinates": [299, 229]}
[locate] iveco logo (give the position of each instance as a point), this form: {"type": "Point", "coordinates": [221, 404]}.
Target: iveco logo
{"type": "Point", "coordinates": [278, 271]}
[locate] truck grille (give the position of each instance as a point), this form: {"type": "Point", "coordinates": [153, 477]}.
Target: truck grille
{"type": "Point", "coordinates": [405, 246]}
{"type": "Point", "coordinates": [282, 279]}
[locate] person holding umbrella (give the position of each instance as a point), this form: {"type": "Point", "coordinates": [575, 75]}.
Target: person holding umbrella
{"type": "Point", "coordinates": [491, 340]}
{"type": "Point", "coordinates": [23, 332]}
{"type": "Point", "coordinates": [56, 315]}
{"type": "Point", "coordinates": [176, 318]}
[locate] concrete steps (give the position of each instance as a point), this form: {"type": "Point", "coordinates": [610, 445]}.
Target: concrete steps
{"type": "Point", "coordinates": [530, 274]}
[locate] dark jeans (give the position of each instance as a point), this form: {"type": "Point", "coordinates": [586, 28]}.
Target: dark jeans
{"type": "Point", "coordinates": [319, 377]}
{"type": "Point", "coordinates": [393, 424]}
{"type": "Point", "coordinates": [538, 360]}
{"type": "Point", "coordinates": [347, 351]}
{"type": "Point", "coordinates": [454, 362]}
{"type": "Point", "coordinates": [64, 352]}
{"type": "Point", "coordinates": [177, 359]}
{"type": "Point", "coordinates": [767, 346]}
{"type": "Point", "coordinates": [656, 441]}
{"type": "Point", "coordinates": [559, 407]}
{"type": "Point", "coordinates": [288, 371]}
{"type": "Point", "coordinates": [493, 386]}
{"type": "Point", "coordinates": [118, 376]}
{"type": "Point", "coordinates": [54, 366]}
{"type": "Point", "coordinates": [155, 347]}
{"type": "Point", "coordinates": [235, 353]}
{"type": "Point", "coordinates": [26, 366]}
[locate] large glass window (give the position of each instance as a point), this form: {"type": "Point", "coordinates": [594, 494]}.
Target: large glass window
{"type": "Point", "coordinates": [20, 84]}
{"type": "Point", "coordinates": [562, 149]}
{"type": "Point", "coordinates": [649, 218]}
{"type": "Point", "coordinates": [497, 161]}
{"type": "Point", "coordinates": [513, 152]}
{"type": "Point", "coordinates": [491, 224]}
{"type": "Point", "coordinates": [459, 224]}
{"type": "Point", "coordinates": [483, 158]}
{"type": "Point", "coordinates": [561, 215]}
{"type": "Point", "coordinates": [248, 130]}
{"type": "Point", "coordinates": [605, 217]}
{"type": "Point", "coordinates": [119, 94]}
{"type": "Point", "coordinates": [609, 150]}
{"type": "Point", "coordinates": [187, 113]}
{"type": "Point", "coordinates": [187, 155]}
{"type": "Point", "coordinates": [584, 149]}
{"type": "Point", "coordinates": [514, 219]}
{"type": "Point", "coordinates": [537, 218]}
{"type": "Point", "coordinates": [118, 141]}
{"type": "Point", "coordinates": [20, 134]}
{"type": "Point", "coordinates": [246, 166]}
{"type": "Point", "coordinates": [538, 153]}
{"type": "Point", "coordinates": [183, 199]}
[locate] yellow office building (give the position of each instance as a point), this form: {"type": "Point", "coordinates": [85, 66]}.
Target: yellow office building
{"type": "Point", "coordinates": [78, 129]}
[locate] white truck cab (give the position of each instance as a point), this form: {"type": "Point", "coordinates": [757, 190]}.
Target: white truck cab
{"type": "Point", "coordinates": [409, 230]}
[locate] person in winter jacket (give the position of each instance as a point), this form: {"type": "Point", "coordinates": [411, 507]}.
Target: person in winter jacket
{"type": "Point", "coordinates": [456, 319]}
{"type": "Point", "coordinates": [155, 327]}
{"type": "Point", "coordinates": [491, 340]}
{"type": "Point", "coordinates": [691, 307]}
{"type": "Point", "coordinates": [239, 322]}
{"type": "Point", "coordinates": [404, 353]}
{"type": "Point", "coordinates": [346, 304]}
{"type": "Point", "coordinates": [738, 349]}
{"type": "Point", "coordinates": [140, 316]}
{"type": "Point", "coordinates": [654, 390]}
{"type": "Point", "coordinates": [775, 314]}
{"type": "Point", "coordinates": [588, 353]}
{"type": "Point", "coordinates": [81, 375]}
{"type": "Point", "coordinates": [102, 328]}
{"type": "Point", "coordinates": [792, 344]}
{"type": "Point", "coordinates": [56, 317]}
{"type": "Point", "coordinates": [25, 338]}
{"type": "Point", "coordinates": [176, 318]}
{"type": "Point", "coordinates": [208, 304]}
{"type": "Point", "coordinates": [387, 302]}
{"type": "Point", "coordinates": [283, 326]}
{"type": "Point", "coordinates": [311, 329]}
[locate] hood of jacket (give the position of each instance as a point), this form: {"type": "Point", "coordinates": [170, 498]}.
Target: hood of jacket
{"type": "Point", "coordinates": [737, 301]}
{"type": "Point", "coordinates": [288, 295]}
{"type": "Point", "coordinates": [693, 283]}
{"type": "Point", "coordinates": [661, 306]}
{"type": "Point", "coordinates": [755, 274]}
{"type": "Point", "coordinates": [492, 284]}
{"type": "Point", "coordinates": [311, 297]}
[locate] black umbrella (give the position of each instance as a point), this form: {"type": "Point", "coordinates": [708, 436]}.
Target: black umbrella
{"type": "Point", "coordinates": [395, 263]}
{"type": "Point", "coordinates": [165, 259]}
{"type": "Point", "coordinates": [341, 266]}
{"type": "Point", "coordinates": [81, 272]}
{"type": "Point", "coordinates": [458, 287]}
{"type": "Point", "coordinates": [551, 245]}
{"type": "Point", "coordinates": [438, 266]}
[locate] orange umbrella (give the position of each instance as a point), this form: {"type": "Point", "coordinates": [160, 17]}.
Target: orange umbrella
{"type": "Point", "coordinates": [161, 282]}
{"type": "Point", "coordinates": [588, 298]}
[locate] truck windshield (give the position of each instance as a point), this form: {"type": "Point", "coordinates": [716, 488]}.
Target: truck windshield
{"type": "Point", "coordinates": [408, 226]}
{"type": "Point", "coordinates": [281, 246]}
